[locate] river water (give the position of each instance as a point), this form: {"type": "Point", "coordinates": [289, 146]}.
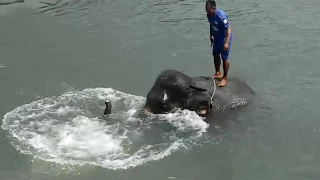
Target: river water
{"type": "Point", "coordinates": [60, 59]}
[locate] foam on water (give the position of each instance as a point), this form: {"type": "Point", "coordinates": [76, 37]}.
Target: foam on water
{"type": "Point", "coordinates": [69, 129]}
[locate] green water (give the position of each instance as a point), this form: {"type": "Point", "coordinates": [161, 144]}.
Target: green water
{"type": "Point", "coordinates": [125, 44]}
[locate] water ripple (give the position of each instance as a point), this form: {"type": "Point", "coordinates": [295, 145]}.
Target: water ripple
{"type": "Point", "coordinates": [61, 7]}
{"type": "Point", "coordinates": [4, 2]}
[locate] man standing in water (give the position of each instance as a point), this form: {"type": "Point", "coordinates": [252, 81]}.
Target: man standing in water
{"type": "Point", "coordinates": [220, 37]}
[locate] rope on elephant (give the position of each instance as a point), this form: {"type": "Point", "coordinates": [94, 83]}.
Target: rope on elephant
{"type": "Point", "coordinates": [214, 88]}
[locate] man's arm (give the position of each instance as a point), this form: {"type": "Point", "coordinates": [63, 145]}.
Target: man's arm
{"type": "Point", "coordinates": [228, 34]}
{"type": "Point", "coordinates": [211, 31]}
{"type": "Point", "coordinates": [226, 24]}
{"type": "Point", "coordinates": [211, 34]}
{"type": "Point", "coordinates": [210, 27]}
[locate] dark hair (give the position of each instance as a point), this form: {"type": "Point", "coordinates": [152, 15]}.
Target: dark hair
{"type": "Point", "coordinates": [211, 3]}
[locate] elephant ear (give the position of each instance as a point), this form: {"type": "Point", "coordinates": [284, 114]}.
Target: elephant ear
{"type": "Point", "coordinates": [197, 88]}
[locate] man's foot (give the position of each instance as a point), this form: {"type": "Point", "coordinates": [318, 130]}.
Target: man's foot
{"type": "Point", "coordinates": [223, 82]}
{"type": "Point", "coordinates": [218, 75]}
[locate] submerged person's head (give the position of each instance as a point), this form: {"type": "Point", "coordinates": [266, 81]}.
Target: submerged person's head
{"type": "Point", "coordinates": [211, 7]}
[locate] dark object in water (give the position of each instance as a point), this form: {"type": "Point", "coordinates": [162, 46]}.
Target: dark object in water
{"type": "Point", "coordinates": [108, 107]}
{"type": "Point", "coordinates": [7, 2]}
{"type": "Point", "coordinates": [175, 90]}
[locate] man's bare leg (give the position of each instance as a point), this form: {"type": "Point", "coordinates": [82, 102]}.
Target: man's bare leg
{"type": "Point", "coordinates": [226, 65]}
{"type": "Point", "coordinates": [217, 63]}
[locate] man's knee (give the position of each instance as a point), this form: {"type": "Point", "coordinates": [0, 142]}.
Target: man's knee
{"type": "Point", "coordinates": [216, 57]}
{"type": "Point", "coordinates": [216, 49]}
{"type": "Point", "coordinates": [225, 54]}
{"type": "Point", "coordinates": [224, 57]}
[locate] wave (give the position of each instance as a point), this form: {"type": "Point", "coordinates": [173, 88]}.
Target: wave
{"type": "Point", "coordinates": [70, 130]}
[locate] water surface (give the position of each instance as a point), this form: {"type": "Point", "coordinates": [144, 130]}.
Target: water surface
{"type": "Point", "coordinates": [51, 48]}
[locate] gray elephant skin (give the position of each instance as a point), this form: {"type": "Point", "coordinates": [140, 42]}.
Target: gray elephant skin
{"type": "Point", "coordinates": [175, 90]}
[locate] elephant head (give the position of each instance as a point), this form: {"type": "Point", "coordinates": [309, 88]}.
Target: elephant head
{"type": "Point", "coordinates": [199, 100]}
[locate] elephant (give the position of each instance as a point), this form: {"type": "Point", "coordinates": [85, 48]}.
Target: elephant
{"type": "Point", "coordinates": [175, 90]}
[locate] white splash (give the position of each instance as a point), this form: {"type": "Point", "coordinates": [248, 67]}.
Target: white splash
{"type": "Point", "coordinates": [68, 129]}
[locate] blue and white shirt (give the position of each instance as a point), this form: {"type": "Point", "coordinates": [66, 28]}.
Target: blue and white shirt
{"type": "Point", "coordinates": [218, 25]}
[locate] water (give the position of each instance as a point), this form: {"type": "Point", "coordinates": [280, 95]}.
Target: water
{"type": "Point", "coordinates": [72, 54]}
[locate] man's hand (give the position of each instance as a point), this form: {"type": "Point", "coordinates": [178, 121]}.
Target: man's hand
{"type": "Point", "coordinates": [211, 40]}
{"type": "Point", "coordinates": [226, 46]}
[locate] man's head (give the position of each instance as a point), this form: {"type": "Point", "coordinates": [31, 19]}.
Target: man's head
{"type": "Point", "coordinates": [210, 7]}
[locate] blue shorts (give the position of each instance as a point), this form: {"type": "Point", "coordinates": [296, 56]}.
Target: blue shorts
{"type": "Point", "coordinates": [218, 48]}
